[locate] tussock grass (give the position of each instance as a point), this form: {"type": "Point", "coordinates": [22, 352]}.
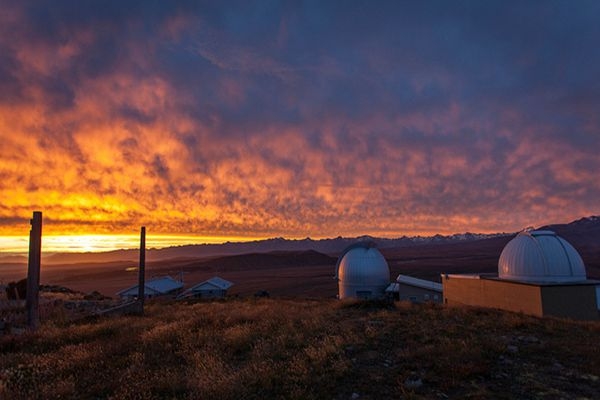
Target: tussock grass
{"type": "Point", "coordinates": [304, 349]}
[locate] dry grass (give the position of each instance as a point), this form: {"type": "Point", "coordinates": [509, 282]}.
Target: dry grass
{"type": "Point", "coordinates": [301, 349]}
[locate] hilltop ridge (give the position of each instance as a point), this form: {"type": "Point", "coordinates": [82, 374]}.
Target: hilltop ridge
{"type": "Point", "coordinates": [305, 349]}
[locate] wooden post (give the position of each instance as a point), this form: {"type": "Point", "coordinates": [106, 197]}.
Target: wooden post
{"type": "Point", "coordinates": [142, 268]}
{"type": "Point", "coordinates": [33, 271]}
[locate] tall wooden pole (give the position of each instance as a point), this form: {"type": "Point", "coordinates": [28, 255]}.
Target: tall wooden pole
{"type": "Point", "coordinates": [33, 271]}
{"type": "Point", "coordinates": [142, 268]}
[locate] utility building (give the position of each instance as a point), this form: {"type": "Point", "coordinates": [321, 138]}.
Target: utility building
{"type": "Point", "coordinates": [212, 288]}
{"type": "Point", "coordinates": [408, 288]}
{"type": "Point", "coordinates": [539, 273]}
{"type": "Point", "coordinates": [362, 272]}
{"type": "Point", "coordinates": [163, 286]}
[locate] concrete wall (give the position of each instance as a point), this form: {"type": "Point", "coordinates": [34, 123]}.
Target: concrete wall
{"type": "Point", "coordinates": [492, 293]}
{"type": "Point", "coordinates": [576, 302]}
{"type": "Point", "coordinates": [417, 294]}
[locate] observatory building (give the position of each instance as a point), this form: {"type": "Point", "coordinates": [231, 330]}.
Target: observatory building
{"type": "Point", "coordinates": [539, 273]}
{"type": "Point", "coordinates": [362, 272]}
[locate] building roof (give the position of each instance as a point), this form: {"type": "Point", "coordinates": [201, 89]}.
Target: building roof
{"type": "Point", "coordinates": [217, 282]}
{"type": "Point", "coordinates": [214, 282]}
{"type": "Point", "coordinates": [422, 283]}
{"type": "Point", "coordinates": [393, 287]}
{"type": "Point", "coordinates": [160, 285]}
{"type": "Point", "coordinates": [362, 264]}
{"type": "Point", "coordinates": [494, 277]}
{"type": "Point", "coordinates": [363, 244]}
{"type": "Point", "coordinates": [540, 256]}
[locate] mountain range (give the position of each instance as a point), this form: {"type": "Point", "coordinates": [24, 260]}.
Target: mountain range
{"type": "Point", "coordinates": [583, 233]}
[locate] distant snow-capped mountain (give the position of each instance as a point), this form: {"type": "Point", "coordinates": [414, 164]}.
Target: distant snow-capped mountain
{"type": "Point", "coordinates": [584, 232]}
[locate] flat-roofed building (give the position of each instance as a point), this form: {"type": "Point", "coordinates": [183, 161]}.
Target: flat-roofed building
{"type": "Point", "coordinates": [408, 288]}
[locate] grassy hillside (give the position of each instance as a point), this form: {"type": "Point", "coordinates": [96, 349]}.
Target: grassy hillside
{"type": "Point", "coordinates": [304, 349]}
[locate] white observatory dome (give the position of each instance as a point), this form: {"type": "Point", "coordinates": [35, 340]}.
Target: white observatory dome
{"type": "Point", "coordinates": [362, 272]}
{"type": "Point", "coordinates": [540, 256]}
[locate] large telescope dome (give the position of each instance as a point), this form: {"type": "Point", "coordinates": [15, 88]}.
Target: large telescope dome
{"type": "Point", "coordinates": [542, 257]}
{"type": "Point", "coordinates": [362, 272]}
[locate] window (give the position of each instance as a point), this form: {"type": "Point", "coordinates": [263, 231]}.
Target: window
{"type": "Point", "coordinates": [426, 297]}
{"type": "Point", "coordinates": [436, 297]}
{"type": "Point", "coordinates": [412, 298]}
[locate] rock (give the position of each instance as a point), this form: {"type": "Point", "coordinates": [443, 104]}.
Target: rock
{"type": "Point", "coordinates": [512, 349]}
{"type": "Point", "coordinates": [589, 377]}
{"type": "Point", "coordinates": [557, 366]}
{"type": "Point", "coordinates": [531, 339]}
{"type": "Point", "coordinates": [355, 396]}
{"type": "Point", "coordinates": [413, 383]}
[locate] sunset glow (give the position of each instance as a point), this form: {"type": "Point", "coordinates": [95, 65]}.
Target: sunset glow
{"type": "Point", "coordinates": [241, 120]}
{"type": "Point", "coordinates": [96, 243]}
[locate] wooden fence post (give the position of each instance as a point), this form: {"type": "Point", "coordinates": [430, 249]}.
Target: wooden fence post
{"type": "Point", "coordinates": [33, 271]}
{"type": "Point", "coordinates": [142, 268]}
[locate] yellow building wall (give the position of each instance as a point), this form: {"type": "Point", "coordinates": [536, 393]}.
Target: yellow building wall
{"type": "Point", "coordinates": [494, 294]}
{"type": "Point", "coordinates": [568, 301]}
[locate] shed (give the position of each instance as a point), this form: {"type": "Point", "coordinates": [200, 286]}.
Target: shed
{"type": "Point", "coordinates": [213, 288]}
{"type": "Point", "coordinates": [408, 288]}
{"type": "Point", "coordinates": [161, 286]}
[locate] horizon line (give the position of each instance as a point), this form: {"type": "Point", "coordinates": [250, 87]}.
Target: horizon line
{"type": "Point", "coordinates": [104, 243]}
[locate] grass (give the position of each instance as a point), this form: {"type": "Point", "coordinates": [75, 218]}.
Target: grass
{"type": "Point", "coordinates": [304, 349]}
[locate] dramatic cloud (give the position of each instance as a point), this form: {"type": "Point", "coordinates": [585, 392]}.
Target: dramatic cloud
{"type": "Point", "coordinates": [298, 118]}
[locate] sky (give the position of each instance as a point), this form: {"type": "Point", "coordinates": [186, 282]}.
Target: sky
{"type": "Point", "coordinates": [254, 119]}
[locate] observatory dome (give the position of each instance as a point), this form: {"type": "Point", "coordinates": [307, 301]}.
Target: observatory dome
{"type": "Point", "coordinates": [362, 272]}
{"type": "Point", "coordinates": [540, 256]}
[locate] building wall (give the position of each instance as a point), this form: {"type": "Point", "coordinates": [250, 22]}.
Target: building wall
{"type": "Point", "coordinates": [492, 293]}
{"type": "Point", "coordinates": [566, 301]}
{"type": "Point", "coordinates": [576, 302]}
{"type": "Point", "coordinates": [417, 294]}
{"type": "Point", "coordinates": [210, 293]}
{"type": "Point", "coordinates": [359, 291]}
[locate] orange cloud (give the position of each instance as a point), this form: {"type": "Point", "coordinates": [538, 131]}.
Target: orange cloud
{"type": "Point", "coordinates": [190, 127]}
